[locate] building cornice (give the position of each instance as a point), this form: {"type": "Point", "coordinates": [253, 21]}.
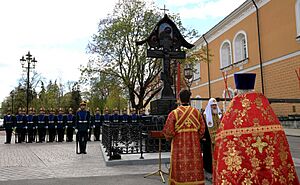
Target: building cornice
{"type": "Point", "coordinates": [252, 68]}
{"type": "Point", "coordinates": [239, 14]}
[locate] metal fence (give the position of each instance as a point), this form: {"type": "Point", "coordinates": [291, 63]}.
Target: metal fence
{"type": "Point", "coordinates": [132, 137]}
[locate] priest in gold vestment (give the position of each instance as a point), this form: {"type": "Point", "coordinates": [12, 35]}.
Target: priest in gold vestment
{"type": "Point", "coordinates": [251, 146]}
{"type": "Point", "coordinates": [212, 116]}
{"type": "Point", "coordinates": [185, 127]}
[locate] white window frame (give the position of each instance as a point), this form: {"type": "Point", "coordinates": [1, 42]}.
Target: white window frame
{"type": "Point", "coordinates": [240, 60]}
{"type": "Point", "coordinates": [297, 11]}
{"type": "Point", "coordinates": [229, 66]}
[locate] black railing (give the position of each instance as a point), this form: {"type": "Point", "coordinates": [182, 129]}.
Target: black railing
{"type": "Point", "coordinates": [132, 137]}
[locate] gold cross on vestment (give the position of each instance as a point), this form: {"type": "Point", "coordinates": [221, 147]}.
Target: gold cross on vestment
{"type": "Point", "coordinates": [259, 144]}
{"type": "Point", "coordinates": [188, 123]}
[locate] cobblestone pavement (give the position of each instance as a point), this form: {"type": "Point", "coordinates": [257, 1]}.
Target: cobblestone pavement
{"type": "Point", "coordinates": [59, 161]}
{"type": "Point", "coordinates": [26, 163]}
{"type": "Point", "coordinates": [38, 161]}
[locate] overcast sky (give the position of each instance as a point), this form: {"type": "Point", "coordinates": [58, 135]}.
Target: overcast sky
{"type": "Point", "coordinates": [56, 32]}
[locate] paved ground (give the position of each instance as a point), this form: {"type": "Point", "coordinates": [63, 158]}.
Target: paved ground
{"type": "Point", "coordinates": [102, 180]}
{"type": "Point", "coordinates": [53, 163]}
{"type": "Point", "coordinates": [57, 163]}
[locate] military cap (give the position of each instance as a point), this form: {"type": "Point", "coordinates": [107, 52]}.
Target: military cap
{"type": "Point", "coordinates": [83, 103]}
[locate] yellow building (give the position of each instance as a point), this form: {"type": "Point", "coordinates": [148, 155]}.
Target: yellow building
{"type": "Point", "coordinates": [262, 37]}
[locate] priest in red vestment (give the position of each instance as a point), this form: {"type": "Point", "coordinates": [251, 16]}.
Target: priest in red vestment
{"type": "Point", "coordinates": [185, 127]}
{"type": "Point", "coordinates": [251, 146]}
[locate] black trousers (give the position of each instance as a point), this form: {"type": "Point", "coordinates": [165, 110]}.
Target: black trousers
{"type": "Point", "coordinates": [42, 133]}
{"type": "Point", "coordinates": [8, 135]}
{"type": "Point", "coordinates": [19, 132]}
{"type": "Point", "coordinates": [23, 134]}
{"type": "Point", "coordinates": [90, 134]}
{"type": "Point", "coordinates": [34, 135]}
{"type": "Point", "coordinates": [52, 133]}
{"type": "Point", "coordinates": [30, 135]}
{"type": "Point", "coordinates": [82, 139]}
{"type": "Point", "coordinates": [70, 131]}
{"type": "Point", "coordinates": [97, 133]}
{"type": "Point", "coordinates": [60, 134]}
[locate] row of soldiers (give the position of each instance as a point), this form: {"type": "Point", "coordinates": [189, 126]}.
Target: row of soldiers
{"type": "Point", "coordinates": [49, 127]}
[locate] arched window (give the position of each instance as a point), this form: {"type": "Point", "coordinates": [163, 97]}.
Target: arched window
{"type": "Point", "coordinates": [225, 54]}
{"type": "Point", "coordinates": [240, 47]}
{"type": "Point", "coordinates": [197, 103]}
{"type": "Point", "coordinates": [298, 18]}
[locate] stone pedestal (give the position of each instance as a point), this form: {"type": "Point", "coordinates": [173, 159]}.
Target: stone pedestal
{"type": "Point", "coordinates": [162, 106]}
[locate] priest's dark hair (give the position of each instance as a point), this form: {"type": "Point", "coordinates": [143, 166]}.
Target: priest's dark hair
{"type": "Point", "coordinates": [185, 96]}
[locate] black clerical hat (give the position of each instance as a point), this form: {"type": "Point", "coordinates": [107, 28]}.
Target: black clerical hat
{"type": "Point", "coordinates": [244, 80]}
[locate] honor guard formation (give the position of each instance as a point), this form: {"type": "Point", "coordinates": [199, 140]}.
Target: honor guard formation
{"type": "Point", "coordinates": [59, 125]}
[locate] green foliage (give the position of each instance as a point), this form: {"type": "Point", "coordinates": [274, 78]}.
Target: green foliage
{"type": "Point", "coordinates": [101, 90]}
{"type": "Point", "coordinates": [203, 55]}
{"type": "Point", "coordinates": [114, 100]}
{"type": "Point", "coordinates": [119, 56]}
{"type": "Point", "coordinates": [48, 97]}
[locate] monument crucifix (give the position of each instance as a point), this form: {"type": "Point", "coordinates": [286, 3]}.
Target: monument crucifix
{"type": "Point", "coordinates": [166, 42]}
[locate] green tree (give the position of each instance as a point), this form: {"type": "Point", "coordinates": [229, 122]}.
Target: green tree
{"type": "Point", "coordinates": [100, 89]}
{"type": "Point", "coordinates": [75, 97]}
{"type": "Point", "coordinates": [203, 55]}
{"type": "Point", "coordinates": [118, 54]}
{"type": "Point", "coordinates": [115, 100]}
{"type": "Point", "coordinates": [50, 95]}
{"type": "Point", "coordinates": [18, 98]}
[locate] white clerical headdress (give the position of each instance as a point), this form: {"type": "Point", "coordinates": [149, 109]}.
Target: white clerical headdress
{"type": "Point", "coordinates": [208, 112]}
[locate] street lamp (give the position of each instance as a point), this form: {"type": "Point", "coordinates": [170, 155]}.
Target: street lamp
{"type": "Point", "coordinates": [30, 65]}
{"type": "Point", "coordinates": [12, 94]}
{"type": "Point", "coordinates": [188, 74]}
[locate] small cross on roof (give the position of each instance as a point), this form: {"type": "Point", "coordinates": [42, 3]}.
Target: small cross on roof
{"type": "Point", "coordinates": [165, 9]}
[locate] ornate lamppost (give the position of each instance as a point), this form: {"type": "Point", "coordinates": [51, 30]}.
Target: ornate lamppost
{"type": "Point", "coordinates": [28, 63]}
{"type": "Point", "coordinates": [12, 94]}
{"type": "Point", "coordinates": [188, 74]}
